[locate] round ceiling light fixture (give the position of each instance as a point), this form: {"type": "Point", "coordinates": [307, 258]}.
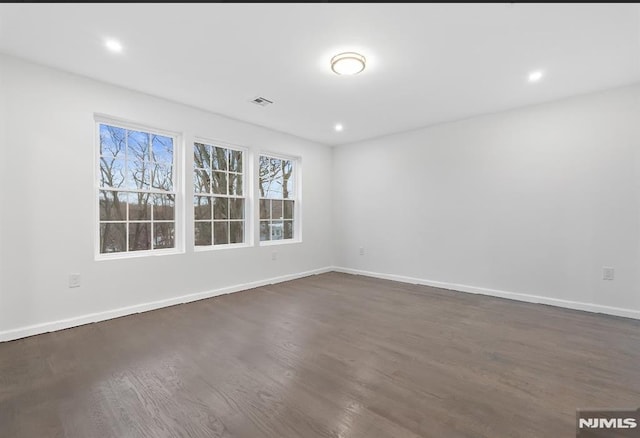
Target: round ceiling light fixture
{"type": "Point", "coordinates": [348, 63]}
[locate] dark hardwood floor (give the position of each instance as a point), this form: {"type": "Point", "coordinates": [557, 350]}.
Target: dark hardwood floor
{"type": "Point", "coordinates": [332, 355]}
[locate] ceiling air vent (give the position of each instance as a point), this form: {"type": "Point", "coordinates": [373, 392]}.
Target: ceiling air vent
{"type": "Point", "coordinates": [261, 101]}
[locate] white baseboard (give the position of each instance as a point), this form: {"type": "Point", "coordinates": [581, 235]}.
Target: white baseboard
{"type": "Point", "coordinates": [576, 305]}
{"type": "Point", "coordinates": [36, 329]}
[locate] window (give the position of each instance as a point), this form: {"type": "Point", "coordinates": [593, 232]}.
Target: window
{"type": "Point", "coordinates": [219, 195]}
{"type": "Point", "coordinates": [277, 198]}
{"type": "Point", "coordinates": [137, 193]}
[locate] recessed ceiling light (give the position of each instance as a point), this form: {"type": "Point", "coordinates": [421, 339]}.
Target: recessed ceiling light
{"type": "Point", "coordinates": [535, 76]}
{"type": "Point", "coordinates": [339, 127]}
{"type": "Point", "coordinates": [113, 45]}
{"type": "Point", "coordinates": [348, 63]}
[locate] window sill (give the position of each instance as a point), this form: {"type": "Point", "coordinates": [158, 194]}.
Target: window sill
{"type": "Point", "coordinates": [137, 254]}
{"type": "Point", "coordinates": [280, 242]}
{"type": "Point", "coordinates": [220, 247]}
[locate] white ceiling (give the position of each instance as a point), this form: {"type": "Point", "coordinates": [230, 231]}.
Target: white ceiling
{"type": "Point", "coordinates": [427, 63]}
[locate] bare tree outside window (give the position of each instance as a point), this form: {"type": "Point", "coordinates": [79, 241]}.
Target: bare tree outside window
{"type": "Point", "coordinates": [137, 193]}
{"type": "Point", "coordinates": [277, 198]}
{"type": "Point", "coordinates": [219, 198]}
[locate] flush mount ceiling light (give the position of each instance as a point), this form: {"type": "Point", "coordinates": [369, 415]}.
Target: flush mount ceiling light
{"type": "Point", "coordinates": [339, 127]}
{"type": "Point", "coordinates": [348, 63]}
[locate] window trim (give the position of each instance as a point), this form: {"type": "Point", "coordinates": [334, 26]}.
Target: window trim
{"type": "Point", "coordinates": [178, 179]}
{"type": "Point", "coordinates": [297, 187]}
{"type": "Point", "coordinates": [247, 189]}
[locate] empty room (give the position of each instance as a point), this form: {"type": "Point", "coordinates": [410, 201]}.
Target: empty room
{"type": "Point", "coordinates": [319, 220]}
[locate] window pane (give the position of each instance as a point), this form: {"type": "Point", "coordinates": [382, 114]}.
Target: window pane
{"type": "Point", "coordinates": [270, 175]}
{"type": "Point", "coordinates": [288, 209]}
{"type": "Point", "coordinates": [275, 168]}
{"type": "Point", "coordinates": [263, 167]}
{"type": "Point", "coordinates": [276, 183]}
{"type": "Point", "coordinates": [235, 184]}
{"type": "Point", "coordinates": [219, 159]}
{"type": "Point", "coordinates": [163, 208]}
{"type": "Point", "coordinates": [139, 206]}
{"type": "Point", "coordinates": [163, 177]}
{"type": "Point", "coordinates": [236, 232]}
{"type": "Point", "coordinates": [276, 209]}
{"type": "Point", "coordinates": [235, 161]}
{"type": "Point", "coordinates": [111, 172]}
{"type": "Point", "coordinates": [264, 231]}
{"type": "Point", "coordinates": [276, 230]}
{"type": "Point", "coordinates": [113, 238]}
{"type": "Point", "coordinates": [138, 146]}
{"type": "Point", "coordinates": [139, 236]}
{"type": "Point", "coordinates": [287, 177]}
{"type": "Point", "coordinates": [201, 156]}
{"type": "Point", "coordinates": [138, 174]}
{"type": "Point", "coordinates": [202, 207]}
{"type": "Point", "coordinates": [220, 208]}
{"type": "Point", "coordinates": [265, 209]}
{"type": "Point", "coordinates": [219, 183]}
{"type": "Point", "coordinates": [113, 206]}
{"type": "Point", "coordinates": [112, 141]}
{"type": "Point", "coordinates": [271, 189]}
{"type": "Point", "coordinates": [236, 208]}
{"type": "Point", "coordinates": [201, 182]}
{"type": "Point", "coordinates": [164, 235]}
{"type": "Point", "coordinates": [202, 233]}
{"type": "Point", "coordinates": [162, 149]}
{"type": "Point", "coordinates": [132, 219]}
{"type": "Point", "coordinates": [288, 230]}
{"type": "Point", "coordinates": [220, 233]}
{"type": "Point", "coordinates": [288, 191]}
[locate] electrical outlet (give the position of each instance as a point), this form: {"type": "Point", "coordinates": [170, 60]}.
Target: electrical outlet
{"type": "Point", "coordinates": [608, 273]}
{"type": "Point", "coordinates": [74, 280]}
{"type": "Point", "coordinates": [274, 255]}
{"type": "Point", "coordinates": [361, 252]}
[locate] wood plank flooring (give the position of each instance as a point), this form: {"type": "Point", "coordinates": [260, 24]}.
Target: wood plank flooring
{"type": "Point", "coordinates": [332, 355]}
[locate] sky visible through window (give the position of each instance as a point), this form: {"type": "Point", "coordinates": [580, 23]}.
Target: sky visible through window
{"type": "Point", "coordinates": [137, 199]}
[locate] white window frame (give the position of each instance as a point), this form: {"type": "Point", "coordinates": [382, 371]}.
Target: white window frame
{"type": "Point", "coordinates": [178, 178]}
{"type": "Point", "coordinates": [297, 198]}
{"type": "Point", "coordinates": [247, 190]}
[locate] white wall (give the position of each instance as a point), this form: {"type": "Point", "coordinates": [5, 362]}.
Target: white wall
{"type": "Point", "coordinates": [48, 204]}
{"type": "Point", "coordinates": [3, 184]}
{"type": "Point", "coordinates": [534, 201]}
